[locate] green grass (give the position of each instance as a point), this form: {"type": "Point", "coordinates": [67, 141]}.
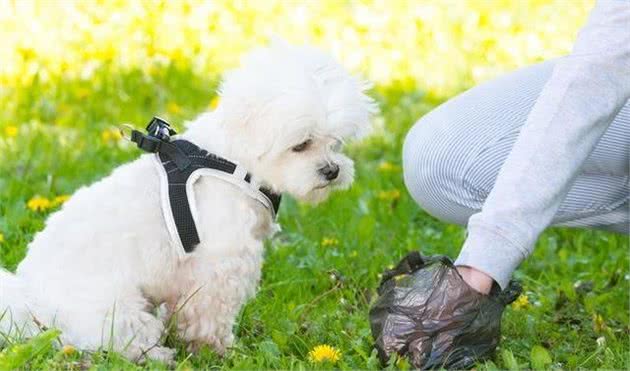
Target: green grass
{"type": "Point", "coordinates": [310, 294]}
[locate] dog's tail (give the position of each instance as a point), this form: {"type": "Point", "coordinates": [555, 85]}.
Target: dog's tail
{"type": "Point", "coordinates": [14, 312]}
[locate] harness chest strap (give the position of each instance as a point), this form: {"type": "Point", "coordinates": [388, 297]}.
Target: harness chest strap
{"type": "Point", "coordinates": [180, 163]}
{"type": "Point", "coordinates": [178, 202]}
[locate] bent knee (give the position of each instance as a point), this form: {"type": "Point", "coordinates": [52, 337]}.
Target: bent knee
{"type": "Point", "coordinates": [433, 169]}
{"type": "Point", "coordinates": [451, 155]}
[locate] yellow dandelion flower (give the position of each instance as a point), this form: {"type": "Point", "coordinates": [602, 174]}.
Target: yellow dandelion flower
{"type": "Point", "coordinates": [391, 195]}
{"type": "Point", "coordinates": [68, 350]}
{"type": "Point", "coordinates": [387, 167]}
{"type": "Point", "coordinates": [11, 131]}
{"type": "Point", "coordinates": [214, 102]}
{"type": "Point", "coordinates": [173, 108]}
{"type": "Point", "coordinates": [1, 238]}
{"type": "Point", "coordinates": [326, 241]}
{"type": "Point", "coordinates": [521, 302]}
{"type": "Point", "coordinates": [60, 200]}
{"type": "Point", "coordinates": [324, 353]}
{"type": "Point", "coordinates": [39, 203]}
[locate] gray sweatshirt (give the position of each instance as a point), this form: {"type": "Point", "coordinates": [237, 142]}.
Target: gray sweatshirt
{"type": "Point", "coordinates": [576, 106]}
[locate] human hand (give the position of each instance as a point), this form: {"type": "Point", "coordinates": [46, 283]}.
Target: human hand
{"type": "Point", "coordinates": [428, 313]}
{"type": "Point", "coordinates": [476, 279]}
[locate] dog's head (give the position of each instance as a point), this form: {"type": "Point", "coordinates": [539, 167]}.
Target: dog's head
{"type": "Point", "coordinates": [290, 110]}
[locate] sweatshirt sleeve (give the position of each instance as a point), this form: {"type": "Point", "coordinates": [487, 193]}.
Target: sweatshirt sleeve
{"type": "Point", "coordinates": [582, 97]}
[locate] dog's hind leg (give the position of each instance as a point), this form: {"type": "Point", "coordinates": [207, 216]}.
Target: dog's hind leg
{"type": "Point", "coordinates": [16, 313]}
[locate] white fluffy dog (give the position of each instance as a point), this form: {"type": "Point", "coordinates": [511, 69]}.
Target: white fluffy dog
{"type": "Point", "coordinates": [105, 261]}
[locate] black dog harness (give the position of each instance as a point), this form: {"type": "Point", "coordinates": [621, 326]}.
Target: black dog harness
{"type": "Point", "coordinates": [181, 163]}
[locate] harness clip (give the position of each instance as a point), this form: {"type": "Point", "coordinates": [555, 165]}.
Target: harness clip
{"type": "Point", "coordinates": [160, 129]}
{"type": "Point", "coordinates": [158, 139]}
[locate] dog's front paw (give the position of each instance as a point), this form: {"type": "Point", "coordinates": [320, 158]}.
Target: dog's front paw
{"type": "Point", "coordinates": [160, 354]}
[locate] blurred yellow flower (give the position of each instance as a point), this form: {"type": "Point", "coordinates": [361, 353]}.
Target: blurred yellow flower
{"type": "Point", "coordinates": [63, 108]}
{"type": "Point", "coordinates": [214, 102]}
{"type": "Point", "coordinates": [173, 108]}
{"type": "Point", "coordinates": [68, 350]}
{"type": "Point", "coordinates": [391, 195]}
{"type": "Point", "coordinates": [106, 135]}
{"type": "Point", "coordinates": [11, 131]}
{"type": "Point", "coordinates": [59, 200]}
{"type": "Point", "coordinates": [387, 167]}
{"type": "Point", "coordinates": [39, 203]}
{"type": "Point", "coordinates": [83, 92]}
{"type": "Point", "coordinates": [111, 135]}
{"type": "Point", "coordinates": [1, 238]}
{"type": "Point", "coordinates": [521, 302]}
{"type": "Point", "coordinates": [390, 42]}
{"type": "Point", "coordinates": [116, 134]}
{"type": "Point", "coordinates": [178, 56]}
{"type": "Point", "coordinates": [324, 353]}
{"type": "Point", "coordinates": [599, 325]}
{"type": "Point", "coordinates": [327, 241]}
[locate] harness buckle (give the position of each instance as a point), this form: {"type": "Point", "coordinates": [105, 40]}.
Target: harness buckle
{"type": "Point", "coordinates": [158, 139]}
{"type": "Point", "coordinates": [160, 129]}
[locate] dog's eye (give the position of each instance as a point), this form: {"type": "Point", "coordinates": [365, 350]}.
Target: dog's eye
{"type": "Point", "coordinates": [302, 146]}
{"type": "Point", "coordinates": [336, 146]}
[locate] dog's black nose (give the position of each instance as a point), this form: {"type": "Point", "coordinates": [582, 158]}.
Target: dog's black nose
{"type": "Point", "coordinates": [330, 171]}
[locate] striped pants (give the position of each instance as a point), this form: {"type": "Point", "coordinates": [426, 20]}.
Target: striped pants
{"type": "Point", "coordinates": [453, 154]}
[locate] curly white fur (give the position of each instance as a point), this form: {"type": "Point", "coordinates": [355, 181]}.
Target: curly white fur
{"type": "Point", "coordinates": [103, 263]}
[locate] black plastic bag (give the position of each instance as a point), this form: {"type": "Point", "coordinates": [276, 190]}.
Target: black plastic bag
{"type": "Point", "coordinates": [426, 312]}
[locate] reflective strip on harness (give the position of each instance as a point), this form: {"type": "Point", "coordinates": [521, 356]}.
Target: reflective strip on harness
{"type": "Point", "coordinates": [177, 184]}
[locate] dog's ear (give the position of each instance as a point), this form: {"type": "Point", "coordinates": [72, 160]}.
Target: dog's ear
{"type": "Point", "coordinates": [350, 110]}
{"type": "Point", "coordinates": [281, 72]}
{"type": "Point", "coordinates": [256, 143]}
{"type": "Point", "coordinates": [348, 107]}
